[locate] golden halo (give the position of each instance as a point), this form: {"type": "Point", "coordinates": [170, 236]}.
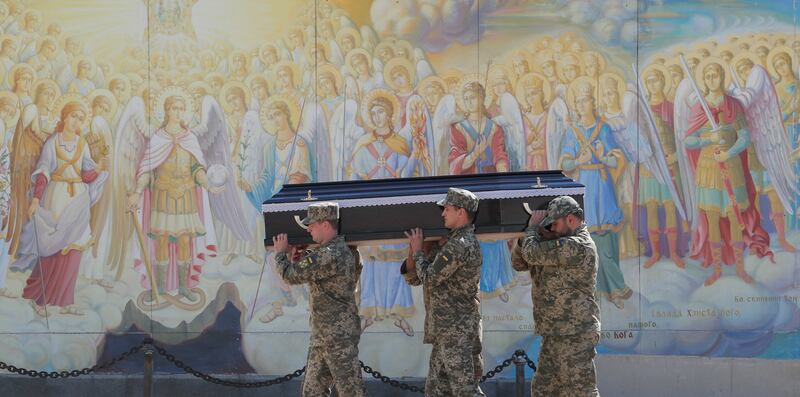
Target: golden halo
{"type": "Point", "coordinates": [292, 67]}
{"type": "Point", "coordinates": [384, 44]}
{"type": "Point", "coordinates": [124, 79]}
{"type": "Point", "coordinates": [238, 53]}
{"type": "Point", "coordinates": [408, 47]}
{"type": "Point", "coordinates": [4, 37]}
{"type": "Point", "coordinates": [524, 55]}
{"type": "Point", "coordinates": [202, 85]}
{"type": "Point", "coordinates": [527, 80]}
{"type": "Point", "coordinates": [326, 51]}
{"type": "Point", "coordinates": [351, 56]}
{"type": "Point", "coordinates": [394, 63]}
{"type": "Point", "coordinates": [12, 100]}
{"type": "Point", "coordinates": [264, 47]}
{"type": "Point", "coordinates": [43, 39]}
{"type": "Point", "coordinates": [568, 58]}
{"type": "Point", "coordinates": [15, 69]}
{"type": "Point", "coordinates": [698, 72]}
{"type": "Point", "coordinates": [214, 76]}
{"type": "Point", "coordinates": [63, 100]}
{"type": "Point", "coordinates": [105, 93]}
{"type": "Point", "coordinates": [79, 60]}
{"type": "Point", "coordinates": [48, 82]}
{"type": "Point", "coordinates": [541, 57]}
{"type": "Point", "coordinates": [498, 70]}
{"type": "Point", "coordinates": [257, 77]}
{"type": "Point", "coordinates": [431, 80]}
{"type": "Point", "coordinates": [663, 70]}
{"type": "Point", "coordinates": [334, 72]}
{"type": "Point", "coordinates": [702, 47]}
{"type": "Point", "coordinates": [158, 111]}
{"type": "Point", "coordinates": [451, 74]}
{"type": "Point", "coordinates": [28, 13]}
{"type": "Point", "coordinates": [601, 61]}
{"type": "Point", "coordinates": [582, 80]}
{"type": "Point", "coordinates": [352, 33]}
{"type": "Point", "coordinates": [777, 50]}
{"type": "Point", "coordinates": [729, 48]}
{"type": "Point", "coordinates": [466, 80]}
{"type": "Point", "coordinates": [380, 93]}
{"type": "Point", "coordinates": [292, 102]}
{"type": "Point", "coordinates": [620, 83]}
{"type": "Point", "coordinates": [223, 95]}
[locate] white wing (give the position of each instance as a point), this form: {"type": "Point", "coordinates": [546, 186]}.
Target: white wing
{"type": "Point", "coordinates": [65, 77]}
{"type": "Point", "coordinates": [424, 68]}
{"type": "Point", "coordinates": [283, 52]}
{"type": "Point", "coordinates": [510, 119]}
{"type": "Point", "coordinates": [648, 149]}
{"type": "Point", "coordinates": [99, 78]}
{"type": "Point", "coordinates": [369, 39]}
{"type": "Point", "coordinates": [344, 132]}
{"type": "Point", "coordinates": [444, 115]}
{"type": "Point", "coordinates": [132, 135]}
{"type": "Point", "coordinates": [336, 56]}
{"type": "Point", "coordinates": [314, 129]}
{"type": "Point", "coordinates": [685, 98]}
{"type": "Point", "coordinates": [557, 125]}
{"type": "Point", "coordinates": [212, 135]}
{"type": "Point", "coordinates": [765, 122]}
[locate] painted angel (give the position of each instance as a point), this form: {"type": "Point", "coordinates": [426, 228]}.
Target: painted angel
{"type": "Point", "coordinates": [773, 175]}
{"type": "Point", "coordinates": [345, 132]}
{"type": "Point", "coordinates": [175, 175]}
{"type": "Point", "coordinates": [56, 198]}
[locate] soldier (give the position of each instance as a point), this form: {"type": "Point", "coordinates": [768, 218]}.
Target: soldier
{"type": "Point", "coordinates": [331, 271]}
{"type": "Point", "coordinates": [562, 259]}
{"type": "Point", "coordinates": [450, 280]}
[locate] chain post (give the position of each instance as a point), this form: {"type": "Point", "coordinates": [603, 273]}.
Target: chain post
{"type": "Point", "coordinates": [520, 362]}
{"type": "Point", "coordinates": [148, 372]}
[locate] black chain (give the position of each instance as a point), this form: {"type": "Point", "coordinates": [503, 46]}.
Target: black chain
{"type": "Point", "coordinates": [521, 353]}
{"type": "Point", "coordinates": [208, 378]}
{"type": "Point", "coordinates": [74, 373]}
{"type": "Point", "coordinates": [391, 382]}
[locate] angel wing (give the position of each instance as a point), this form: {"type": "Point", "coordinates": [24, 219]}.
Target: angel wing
{"type": "Point", "coordinates": [64, 77]}
{"type": "Point", "coordinates": [345, 132]}
{"type": "Point", "coordinates": [313, 128]}
{"type": "Point", "coordinates": [212, 135]}
{"type": "Point", "coordinates": [557, 116]}
{"type": "Point", "coordinates": [445, 115]}
{"type": "Point", "coordinates": [283, 51]}
{"type": "Point", "coordinates": [648, 148]}
{"type": "Point", "coordinates": [369, 39]}
{"type": "Point", "coordinates": [685, 98]}
{"type": "Point", "coordinates": [418, 131]}
{"type": "Point", "coordinates": [765, 122]}
{"type": "Point", "coordinates": [99, 138]}
{"type": "Point", "coordinates": [26, 146]}
{"type": "Point", "coordinates": [424, 68]}
{"type": "Point", "coordinates": [510, 119]}
{"type": "Point", "coordinates": [129, 146]}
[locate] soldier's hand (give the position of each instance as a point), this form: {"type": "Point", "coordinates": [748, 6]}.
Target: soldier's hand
{"type": "Point", "coordinates": [536, 217]}
{"type": "Point", "coordinates": [280, 243]}
{"type": "Point", "coordinates": [415, 239]}
{"type": "Point", "coordinates": [297, 252]}
{"type": "Point", "coordinates": [548, 234]}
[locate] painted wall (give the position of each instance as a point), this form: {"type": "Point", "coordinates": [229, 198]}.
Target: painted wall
{"type": "Point", "coordinates": [75, 277]}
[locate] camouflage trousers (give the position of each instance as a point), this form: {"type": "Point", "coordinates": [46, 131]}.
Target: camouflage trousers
{"type": "Point", "coordinates": [333, 364]}
{"type": "Point", "coordinates": [566, 366]}
{"type": "Point", "coordinates": [456, 366]}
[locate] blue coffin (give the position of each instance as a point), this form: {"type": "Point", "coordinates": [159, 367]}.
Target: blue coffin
{"type": "Point", "coordinates": [379, 211]}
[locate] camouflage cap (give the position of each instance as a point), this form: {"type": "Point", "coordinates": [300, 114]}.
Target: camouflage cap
{"type": "Point", "coordinates": [560, 207]}
{"type": "Point", "coordinates": [326, 211]}
{"type": "Point", "coordinates": [460, 198]}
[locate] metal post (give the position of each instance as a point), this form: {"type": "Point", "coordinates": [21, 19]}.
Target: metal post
{"type": "Point", "coordinates": [148, 373]}
{"type": "Point", "coordinates": [520, 381]}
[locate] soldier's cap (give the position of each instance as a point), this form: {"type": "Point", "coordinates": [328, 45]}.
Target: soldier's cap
{"type": "Point", "coordinates": [325, 211]}
{"type": "Point", "coordinates": [460, 198]}
{"type": "Point", "coordinates": [560, 207]}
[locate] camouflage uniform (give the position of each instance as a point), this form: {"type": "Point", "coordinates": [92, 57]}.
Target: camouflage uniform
{"type": "Point", "coordinates": [450, 277]}
{"type": "Point", "coordinates": [331, 272]}
{"type": "Point", "coordinates": [563, 271]}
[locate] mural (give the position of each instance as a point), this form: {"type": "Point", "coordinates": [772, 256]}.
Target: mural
{"type": "Point", "coordinates": [134, 163]}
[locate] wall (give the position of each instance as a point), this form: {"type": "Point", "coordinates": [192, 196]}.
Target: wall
{"type": "Point", "coordinates": [231, 313]}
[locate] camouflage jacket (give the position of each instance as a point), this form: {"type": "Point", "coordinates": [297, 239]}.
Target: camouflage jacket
{"type": "Point", "coordinates": [331, 272]}
{"type": "Point", "coordinates": [564, 272]}
{"type": "Point", "coordinates": [450, 277]}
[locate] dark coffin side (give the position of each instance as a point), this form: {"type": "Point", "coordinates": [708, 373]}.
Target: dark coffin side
{"type": "Point", "coordinates": [382, 210]}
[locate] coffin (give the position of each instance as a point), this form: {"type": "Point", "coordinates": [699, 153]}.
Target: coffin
{"type": "Point", "coordinates": [380, 211]}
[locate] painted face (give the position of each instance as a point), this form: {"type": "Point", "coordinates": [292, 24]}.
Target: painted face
{"type": "Point", "coordinates": [101, 108]}
{"type": "Point", "coordinates": [534, 95]}
{"type": "Point", "coordinates": [361, 66]}
{"type": "Point", "coordinates": [379, 116]}
{"type": "Point", "coordinates": [277, 117]}
{"type": "Point", "coordinates": [500, 86]}
{"type": "Point", "coordinates": [521, 66]}
{"type": "Point", "coordinates": [782, 65]}
{"type": "Point", "coordinates": [348, 43]}
{"type": "Point", "coordinates": [118, 89]}
{"type": "Point", "coordinates": [24, 81]}
{"type": "Point", "coordinates": [472, 101]}
{"type": "Point", "coordinates": [571, 72]}
{"type": "Point", "coordinates": [236, 101]}
{"type": "Point", "coordinates": [260, 90]}
{"type": "Point", "coordinates": [548, 68]}
{"type": "Point", "coordinates": [74, 121]}
{"type": "Point", "coordinates": [285, 78]}
{"type": "Point", "coordinates": [655, 83]}
{"type": "Point", "coordinates": [270, 55]}
{"type": "Point", "coordinates": [592, 67]}
{"type": "Point", "coordinates": [433, 93]}
{"type": "Point", "coordinates": [83, 69]}
{"type": "Point", "coordinates": [176, 110]}
{"type": "Point", "coordinates": [713, 77]}
{"type": "Point", "coordinates": [47, 97]}
{"type": "Point", "coordinates": [610, 95]}
{"type": "Point", "coordinates": [400, 78]}
{"type": "Point", "coordinates": [327, 86]}
{"type": "Point", "coordinates": [584, 106]}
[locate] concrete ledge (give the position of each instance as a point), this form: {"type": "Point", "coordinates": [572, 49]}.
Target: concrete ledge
{"type": "Point", "coordinates": [622, 376]}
